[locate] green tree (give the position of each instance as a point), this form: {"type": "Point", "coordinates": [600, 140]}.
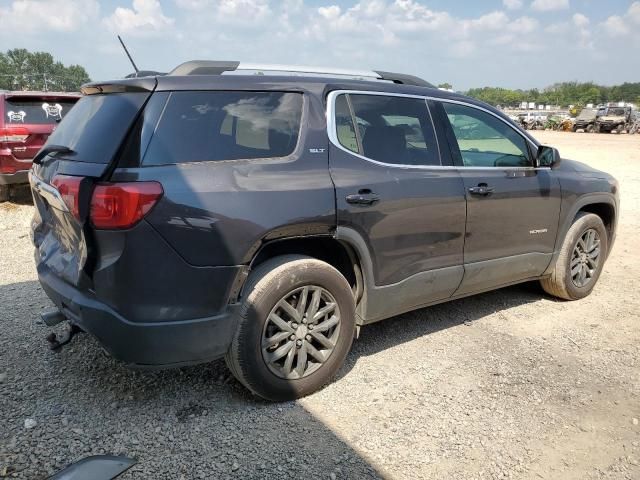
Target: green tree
{"type": "Point", "coordinates": [562, 94]}
{"type": "Point", "coordinates": [24, 70]}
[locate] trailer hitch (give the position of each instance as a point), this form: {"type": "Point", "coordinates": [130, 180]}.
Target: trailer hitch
{"type": "Point", "coordinates": [56, 343]}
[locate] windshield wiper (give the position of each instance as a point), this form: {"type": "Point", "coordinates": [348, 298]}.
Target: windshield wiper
{"type": "Point", "coordinates": [49, 149]}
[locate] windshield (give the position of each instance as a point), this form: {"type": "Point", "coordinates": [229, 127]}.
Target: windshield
{"type": "Point", "coordinates": [616, 112]}
{"type": "Point", "coordinates": [96, 126]}
{"type": "Point", "coordinates": [23, 111]}
{"type": "Point", "coordinates": [587, 113]}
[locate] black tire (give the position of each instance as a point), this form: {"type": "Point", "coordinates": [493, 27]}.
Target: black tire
{"type": "Point", "coordinates": [266, 286]}
{"type": "Point", "coordinates": [561, 283]}
{"type": "Point", "coordinates": [4, 193]}
{"type": "Point", "coordinates": [590, 129]}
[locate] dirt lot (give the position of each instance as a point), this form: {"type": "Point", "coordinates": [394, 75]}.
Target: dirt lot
{"type": "Point", "coordinates": [509, 384]}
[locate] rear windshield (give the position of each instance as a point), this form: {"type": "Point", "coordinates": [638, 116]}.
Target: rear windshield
{"type": "Point", "coordinates": [96, 126]}
{"type": "Point", "coordinates": [211, 126]}
{"type": "Point", "coordinates": [36, 111]}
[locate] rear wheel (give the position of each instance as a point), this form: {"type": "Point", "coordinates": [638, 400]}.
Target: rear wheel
{"type": "Point", "coordinates": [295, 329]}
{"type": "Point", "coordinates": [581, 259]}
{"type": "Point", "coordinates": [590, 129]}
{"type": "Point", "coordinates": [4, 193]}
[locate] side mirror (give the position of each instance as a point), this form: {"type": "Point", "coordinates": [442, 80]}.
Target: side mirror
{"type": "Point", "coordinates": [548, 157]}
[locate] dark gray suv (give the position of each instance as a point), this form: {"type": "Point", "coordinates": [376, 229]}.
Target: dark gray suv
{"type": "Point", "coordinates": [214, 212]}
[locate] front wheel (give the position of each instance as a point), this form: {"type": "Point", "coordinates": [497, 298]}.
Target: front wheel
{"type": "Point", "coordinates": [581, 259]}
{"type": "Point", "coordinates": [296, 326]}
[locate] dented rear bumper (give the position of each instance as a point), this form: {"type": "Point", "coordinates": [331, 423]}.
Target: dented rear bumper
{"type": "Point", "coordinates": [152, 344]}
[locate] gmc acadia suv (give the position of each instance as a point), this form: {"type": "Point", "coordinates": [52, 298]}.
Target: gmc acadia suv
{"type": "Point", "coordinates": [26, 120]}
{"type": "Point", "coordinates": [214, 212]}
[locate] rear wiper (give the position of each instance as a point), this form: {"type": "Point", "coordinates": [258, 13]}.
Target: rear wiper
{"type": "Point", "coordinates": [48, 150]}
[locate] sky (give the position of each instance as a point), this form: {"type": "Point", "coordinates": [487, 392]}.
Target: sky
{"type": "Point", "coordinates": [468, 43]}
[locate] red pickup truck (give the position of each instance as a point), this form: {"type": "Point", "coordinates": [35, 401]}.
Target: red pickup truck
{"type": "Point", "coordinates": [26, 121]}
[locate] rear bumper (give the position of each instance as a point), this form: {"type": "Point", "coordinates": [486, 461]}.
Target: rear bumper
{"type": "Point", "coordinates": [159, 344]}
{"type": "Point", "coordinates": [21, 176]}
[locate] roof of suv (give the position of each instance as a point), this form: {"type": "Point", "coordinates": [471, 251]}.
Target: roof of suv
{"type": "Point", "coordinates": [205, 75]}
{"type": "Point", "coordinates": [312, 83]}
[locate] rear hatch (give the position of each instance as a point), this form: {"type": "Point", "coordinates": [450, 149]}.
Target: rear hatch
{"type": "Point", "coordinates": [27, 121]}
{"type": "Point", "coordinates": [77, 156]}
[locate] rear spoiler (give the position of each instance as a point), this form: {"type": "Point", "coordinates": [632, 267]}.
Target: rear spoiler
{"type": "Point", "coordinates": [142, 84]}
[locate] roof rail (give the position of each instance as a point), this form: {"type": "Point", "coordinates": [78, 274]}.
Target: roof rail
{"type": "Point", "coordinates": [211, 67]}
{"type": "Point", "coordinates": [404, 78]}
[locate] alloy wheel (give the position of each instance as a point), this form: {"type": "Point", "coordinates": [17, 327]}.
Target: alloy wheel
{"type": "Point", "coordinates": [585, 258]}
{"type": "Point", "coordinates": [301, 332]}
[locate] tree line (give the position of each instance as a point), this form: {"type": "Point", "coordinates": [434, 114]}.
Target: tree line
{"type": "Point", "coordinates": [21, 69]}
{"type": "Point", "coordinates": [562, 94]}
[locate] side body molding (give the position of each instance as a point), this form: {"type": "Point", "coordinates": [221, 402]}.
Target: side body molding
{"type": "Point", "coordinates": [384, 301]}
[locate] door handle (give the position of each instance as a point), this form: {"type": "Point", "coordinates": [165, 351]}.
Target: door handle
{"type": "Point", "coordinates": [482, 189]}
{"type": "Point", "coordinates": [362, 198]}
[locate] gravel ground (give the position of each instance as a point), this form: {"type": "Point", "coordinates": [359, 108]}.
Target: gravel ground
{"type": "Point", "coordinates": [508, 384]}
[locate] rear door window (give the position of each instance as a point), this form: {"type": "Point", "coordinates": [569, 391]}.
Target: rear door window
{"type": "Point", "coordinates": [35, 111]}
{"type": "Point", "coordinates": [390, 129]}
{"type": "Point", "coordinates": [214, 126]}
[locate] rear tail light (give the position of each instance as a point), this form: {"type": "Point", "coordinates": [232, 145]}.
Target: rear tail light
{"type": "Point", "coordinates": [113, 205]}
{"type": "Point", "coordinates": [13, 134]}
{"type": "Point", "coordinates": [69, 189]}
{"type": "Point", "coordinates": [122, 205]}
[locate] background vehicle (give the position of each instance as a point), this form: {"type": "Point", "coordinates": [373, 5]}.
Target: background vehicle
{"type": "Point", "coordinates": [586, 120]}
{"type": "Point", "coordinates": [634, 123]}
{"type": "Point", "coordinates": [289, 211]}
{"type": "Point", "coordinates": [533, 120]}
{"type": "Point", "coordinates": [613, 119]}
{"type": "Point", "coordinates": [26, 120]}
{"type": "Point", "coordinates": [558, 122]}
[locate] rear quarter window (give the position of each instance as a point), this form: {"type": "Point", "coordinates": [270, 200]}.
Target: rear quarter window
{"type": "Point", "coordinates": [215, 126]}
{"type": "Point", "coordinates": [97, 125]}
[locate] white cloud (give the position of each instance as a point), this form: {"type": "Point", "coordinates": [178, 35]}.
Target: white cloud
{"type": "Point", "coordinates": [512, 4]}
{"type": "Point", "coordinates": [240, 13]}
{"type": "Point", "coordinates": [56, 15]}
{"type": "Point", "coordinates": [145, 16]}
{"type": "Point", "coordinates": [621, 26]}
{"type": "Point", "coordinates": [634, 13]}
{"type": "Point", "coordinates": [403, 35]}
{"type": "Point", "coordinates": [248, 9]}
{"type": "Point", "coordinates": [580, 20]}
{"type": "Point", "coordinates": [193, 4]}
{"type": "Point", "coordinates": [524, 25]}
{"type": "Point", "coordinates": [330, 13]}
{"type": "Point", "coordinates": [490, 21]}
{"type": "Point", "coordinates": [615, 26]}
{"type": "Point", "coordinates": [549, 5]}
